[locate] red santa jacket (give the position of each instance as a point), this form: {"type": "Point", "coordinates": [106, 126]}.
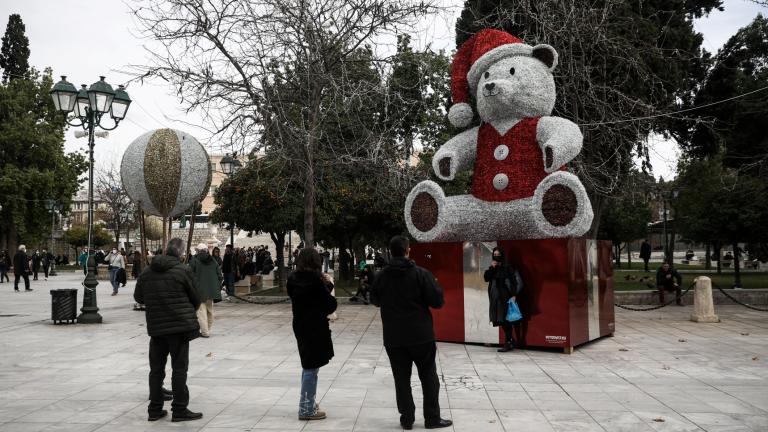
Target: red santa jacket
{"type": "Point", "coordinates": [509, 166]}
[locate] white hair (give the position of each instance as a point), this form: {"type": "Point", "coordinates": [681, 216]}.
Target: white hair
{"type": "Point", "coordinates": [23, 248]}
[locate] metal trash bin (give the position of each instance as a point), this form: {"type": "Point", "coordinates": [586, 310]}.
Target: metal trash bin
{"type": "Point", "coordinates": [64, 305]}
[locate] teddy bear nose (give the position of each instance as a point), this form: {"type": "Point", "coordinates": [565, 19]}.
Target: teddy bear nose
{"type": "Point", "coordinates": [490, 86]}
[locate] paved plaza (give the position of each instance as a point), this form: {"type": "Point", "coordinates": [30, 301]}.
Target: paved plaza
{"type": "Point", "coordinates": [660, 372]}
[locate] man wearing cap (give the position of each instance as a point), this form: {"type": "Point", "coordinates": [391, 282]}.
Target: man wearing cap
{"type": "Point", "coordinates": [209, 278]}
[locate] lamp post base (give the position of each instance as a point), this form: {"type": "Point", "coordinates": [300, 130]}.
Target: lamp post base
{"type": "Point", "coordinates": [89, 316]}
{"type": "Point", "coordinates": [90, 311]}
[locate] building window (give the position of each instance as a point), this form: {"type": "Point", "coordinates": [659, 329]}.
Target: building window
{"type": "Point", "coordinates": [213, 167]}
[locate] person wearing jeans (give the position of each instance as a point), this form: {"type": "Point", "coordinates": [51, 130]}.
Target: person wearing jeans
{"type": "Point", "coordinates": [311, 303]}
{"type": "Point", "coordinates": [116, 262]}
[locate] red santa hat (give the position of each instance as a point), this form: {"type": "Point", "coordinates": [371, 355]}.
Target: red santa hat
{"type": "Point", "coordinates": [476, 55]}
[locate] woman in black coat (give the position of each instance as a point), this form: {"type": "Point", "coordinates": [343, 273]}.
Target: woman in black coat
{"type": "Point", "coordinates": [504, 283]}
{"type": "Point", "coordinates": [311, 302]}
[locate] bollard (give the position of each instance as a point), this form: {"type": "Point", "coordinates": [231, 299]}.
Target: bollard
{"type": "Point", "coordinates": [703, 307]}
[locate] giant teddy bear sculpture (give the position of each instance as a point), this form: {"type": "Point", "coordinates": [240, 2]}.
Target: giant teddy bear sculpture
{"type": "Point", "coordinates": [520, 186]}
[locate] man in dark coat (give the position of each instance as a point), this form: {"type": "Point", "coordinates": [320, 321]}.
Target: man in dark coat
{"type": "Point", "coordinates": [21, 268]}
{"type": "Point", "coordinates": [36, 261]}
{"type": "Point", "coordinates": [668, 279]}
{"type": "Point", "coordinates": [228, 269]}
{"type": "Point", "coordinates": [168, 291]}
{"type": "Point", "coordinates": [405, 292]}
{"type": "Point", "coordinates": [645, 253]}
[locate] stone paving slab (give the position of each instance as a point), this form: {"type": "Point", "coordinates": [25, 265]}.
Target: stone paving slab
{"type": "Point", "coordinates": [660, 372]}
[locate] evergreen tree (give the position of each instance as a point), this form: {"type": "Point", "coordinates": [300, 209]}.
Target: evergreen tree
{"type": "Point", "coordinates": [14, 54]}
{"type": "Point", "coordinates": [738, 128]}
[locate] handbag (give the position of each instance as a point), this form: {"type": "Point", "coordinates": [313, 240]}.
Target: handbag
{"type": "Point", "coordinates": [513, 311]}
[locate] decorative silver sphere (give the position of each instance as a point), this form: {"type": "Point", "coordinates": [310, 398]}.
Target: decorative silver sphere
{"type": "Point", "coordinates": [166, 171]}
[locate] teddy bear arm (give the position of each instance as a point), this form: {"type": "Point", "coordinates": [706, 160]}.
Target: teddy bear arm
{"type": "Point", "coordinates": [560, 141]}
{"type": "Point", "coordinates": [457, 154]}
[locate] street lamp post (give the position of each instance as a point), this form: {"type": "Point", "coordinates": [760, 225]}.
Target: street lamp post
{"type": "Point", "coordinates": [666, 194]}
{"type": "Point", "coordinates": [89, 106]}
{"type": "Point", "coordinates": [229, 166]}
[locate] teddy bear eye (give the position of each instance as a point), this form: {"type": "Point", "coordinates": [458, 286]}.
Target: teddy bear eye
{"type": "Point", "coordinates": [512, 71]}
{"type": "Point", "coordinates": [487, 74]}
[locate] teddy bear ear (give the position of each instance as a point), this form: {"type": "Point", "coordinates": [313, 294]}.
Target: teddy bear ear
{"type": "Point", "coordinates": [546, 54]}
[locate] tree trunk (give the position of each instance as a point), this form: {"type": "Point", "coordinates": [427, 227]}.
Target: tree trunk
{"type": "Point", "coordinates": [282, 274]}
{"type": "Point", "coordinates": [708, 262]}
{"type": "Point", "coordinates": [309, 209]}
{"type": "Point", "coordinates": [719, 252]}
{"type": "Point", "coordinates": [617, 254]}
{"type": "Point", "coordinates": [629, 255]}
{"type": "Point", "coordinates": [736, 266]}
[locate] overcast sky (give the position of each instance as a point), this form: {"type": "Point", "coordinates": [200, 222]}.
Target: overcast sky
{"type": "Point", "coordinates": [87, 38]}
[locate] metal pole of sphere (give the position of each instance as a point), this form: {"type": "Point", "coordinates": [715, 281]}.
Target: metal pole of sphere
{"type": "Point", "coordinates": [90, 104]}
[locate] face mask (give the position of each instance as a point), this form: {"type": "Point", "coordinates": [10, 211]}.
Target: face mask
{"type": "Point", "coordinates": [498, 258]}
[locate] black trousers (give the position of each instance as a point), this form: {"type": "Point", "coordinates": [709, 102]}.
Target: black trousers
{"type": "Point", "coordinates": [45, 269]}
{"type": "Point", "coordinates": [676, 289]}
{"type": "Point", "coordinates": [401, 359]}
{"type": "Point", "coordinates": [4, 275]}
{"type": "Point", "coordinates": [645, 260]}
{"type": "Point", "coordinates": [16, 281]}
{"type": "Point", "coordinates": [177, 345]}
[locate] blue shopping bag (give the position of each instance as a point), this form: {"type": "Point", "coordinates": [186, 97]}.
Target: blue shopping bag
{"type": "Point", "coordinates": [513, 312]}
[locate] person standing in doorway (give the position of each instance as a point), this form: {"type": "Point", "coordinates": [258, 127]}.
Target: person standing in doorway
{"type": "Point", "coordinates": [405, 292]}
{"type": "Point", "coordinates": [209, 278]}
{"type": "Point", "coordinates": [228, 268]}
{"type": "Point", "coordinates": [21, 268]}
{"type": "Point", "coordinates": [311, 303]}
{"type": "Point", "coordinates": [168, 290]}
{"type": "Point", "coordinates": [645, 253]}
{"type": "Point", "coordinates": [504, 284]}
{"type": "Point", "coordinates": [116, 262]}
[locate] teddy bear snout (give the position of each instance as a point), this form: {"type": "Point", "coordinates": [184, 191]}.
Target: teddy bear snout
{"type": "Point", "coordinates": [490, 86]}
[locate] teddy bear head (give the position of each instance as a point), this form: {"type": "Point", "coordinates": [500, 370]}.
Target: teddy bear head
{"type": "Point", "coordinates": [507, 78]}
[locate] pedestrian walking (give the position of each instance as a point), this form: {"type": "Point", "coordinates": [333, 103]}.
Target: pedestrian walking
{"type": "Point", "coordinates": [47, 259]}
{"type": "Point", "coordinates": [83, 261]}
{"type": "Point", "coordinates": [167, 289]}
{"type": "Point", "coordinates": [5, 266]}
{"type": "Point", "coordinates": [311, 302]}
{"type": "Point", "coordinates": [116, 262]}
{"type": "Point", "coordinates": [36, 261]}
{"type": "Point", "coordinates": [21, 268]}
{"type": "Point", "coordinates": [504, 284]}
{"type": "Point", "coordinates": [138, 265]}
{"type": "Point", "coordinates": [228, 268]}
{"type": "Point", "coordinates": [405, 292]}
{"type": "Point", "coordinates": [209, 277]}
{"type": "Point", "coordinates": [645, 253]}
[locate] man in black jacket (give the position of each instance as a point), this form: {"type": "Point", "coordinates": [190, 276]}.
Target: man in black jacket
{"type": "Point", "coordinates": [168, 291]}
{"type": "Point", "coordinates": [405, 292]}
{"type": "Point", "coordinates": [21, 268]}
{"type": "Point", "coordinates": [668, 279]}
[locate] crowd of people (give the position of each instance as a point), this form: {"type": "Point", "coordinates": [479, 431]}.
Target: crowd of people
{"type": "Point", "coordinates": [24, 265]}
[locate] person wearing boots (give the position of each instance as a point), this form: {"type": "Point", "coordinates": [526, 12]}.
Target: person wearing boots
{"type": "Point", "coordinates": [168, 290]}
{"type": "Point", "coordinates": [504, 283]}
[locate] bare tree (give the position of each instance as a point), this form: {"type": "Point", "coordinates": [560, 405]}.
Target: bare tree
{"type": "Point", "coordinates": [272, 75]}
{"type": "Point", "coordinates": [116, 208]}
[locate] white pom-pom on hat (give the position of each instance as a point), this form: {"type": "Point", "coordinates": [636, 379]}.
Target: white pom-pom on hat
{"type": "Point", "coordinates": [461, 114]}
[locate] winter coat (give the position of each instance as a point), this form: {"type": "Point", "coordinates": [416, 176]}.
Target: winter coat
{"type": "Point", "coordinates": [227, 265]}
{"type": "Point", "coordinates": [121, 276]}
{"type": "Point", "coordinates": [36, 259]}
{"type": "Point", "coordinates": [645, 250]}
{"type": "Point", "coordinates": [208, 275]}
{"type": "Point", "coordinates": [169, 292]}
{"type": "Point", "coordinates": [405, 292]}
{"type": "Point", "coordinates": [311, 302]}
{"type": "Point", "coordinates": [20, 263]}
{"type": "Point", "coordinates": [503, 284]}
